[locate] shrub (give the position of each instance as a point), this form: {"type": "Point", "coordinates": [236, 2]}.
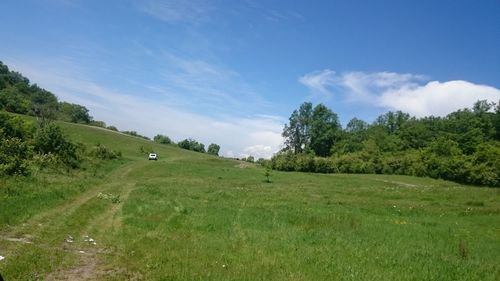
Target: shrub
{"type": "Point", "coordinates": [102, 152]}
{"type": "Point", "coordinates": [14, 157]}
{"type": "Point", "coordinates": [191, 144]}
{"type": "Point", "coordinates": [50, 139]}
{"type": "Point", "coordinates": [324, 165]}
{"type": "Point", "coordinates": [213, 149]}
{"type": "Point", "coordinates": [162, 139]}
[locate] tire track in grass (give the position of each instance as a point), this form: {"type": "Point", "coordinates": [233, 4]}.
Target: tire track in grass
{"type": "Point", "coordinates": [38, 221]}
{"type": "Point", "coordinates": [90, 265]}
{"type": "Point", "coordinates": [51, 226]}
{"type": "Point", "coordinates": [241, 238]}
{"type": "Point", "coordinates": [90, 262]}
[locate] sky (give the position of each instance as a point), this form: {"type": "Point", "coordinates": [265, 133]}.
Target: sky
{"type": "Point", "coordinates": [231, 72]}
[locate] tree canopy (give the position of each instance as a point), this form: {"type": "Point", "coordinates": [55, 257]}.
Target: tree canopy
{"type": "Point", "coordinates": [462, 146]}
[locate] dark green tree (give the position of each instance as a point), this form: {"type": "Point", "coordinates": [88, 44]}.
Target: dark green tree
{"type": "Point", "coordinates": [296, 132]}
{"type": "Point", "coordinates": [162, 139]}
{"type": "Point", "coordinates": [213, 149]}
{"type": "Point", "coordinates": [74, 113]}
{"type": "Point", "coordinates": [191, 144]}
{"type": "Point", "coordinates": [324, 130]}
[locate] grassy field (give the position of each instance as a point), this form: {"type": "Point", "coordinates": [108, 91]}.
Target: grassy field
{"type": "Point", "coordinates": [191, 216]}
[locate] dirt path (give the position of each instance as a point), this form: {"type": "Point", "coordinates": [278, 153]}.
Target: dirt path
{"type": "Point", "coordinates": [88, 253]}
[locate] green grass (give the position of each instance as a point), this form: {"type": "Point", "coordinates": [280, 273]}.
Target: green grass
{"type": "Point", "coordinates": [191, 216]}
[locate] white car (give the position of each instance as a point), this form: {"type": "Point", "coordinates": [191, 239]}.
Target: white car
{"type": "Point", "coordinates": [153, 156]}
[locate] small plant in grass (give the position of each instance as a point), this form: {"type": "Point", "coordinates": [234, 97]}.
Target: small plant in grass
{"type": "Point", "coordinates": [267, 174]}
{"type": "Point", "coordinates": [108, 196]}
{"type": "Point", "coordinates": [181, 210]}
{"type": "Point", "coordinates": [463, 252]}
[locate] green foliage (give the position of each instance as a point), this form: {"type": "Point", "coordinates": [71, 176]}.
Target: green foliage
{"type": "Point", "coordinates": [213, 149]}
{"type": "Point", "coordinates": [262, 161]}
{"type": "Point", "coordinates": [267, 174]}
{"type": "Point", "coordinates": [460, 147]}
{"type": "Point", "coordinates": [296, 133]}
{"type": "Point", "coordinates": [19, 96]}
{"type": "Point", "coordinates": [162, 139]}
{"type": "Point", "coordinates": [102, 152]}
{"type": "Point", "coordinates": [191, 144]}
{"type": "Point", "coordinates": [113, 198]}
{"type": "Point", "coordinates": [135, 134]}
{"type": "Point", "coordinates": [50, 139]}
{"type": "Point", "coordinates": [250, 159]}
{"type": "Point", "coordinates": [112, 128]}
{"type": "Point", "coordinates": [44, 104]}
{"type": "Point", "coordinates": [75, 113]}
{"type": "Point", "coordinates": [15, 127]}
{"type": "Point", "coordinates": [14, 157]}
{"type": "Point", "coordinates": [325, 130]}
{"type": "Point", "coordinates": [485, 168]}
{"type": "Point", "coordinates": [97, 123]}
{"type": "Point", "coordinates": [12, 100]}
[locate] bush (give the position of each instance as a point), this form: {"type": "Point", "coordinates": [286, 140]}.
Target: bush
{"type": "Point", "coordinates": [191, 144]}
{"type": "Point", "coordinates": [324, 165]}
{"type": "Point", "coordinates": [162, 139]}
{"type": "Point", "coordinates": [101, 152]}
{"type": "Point", "coordinates": [15, 127]}
{"type": "Point", "coordinates": [485, 169]}
{"type": "Point", "coordinates": [213, 149]}
{"type": "Point", "coordinates": [50, 139]}
{"type": "Point", "coordinates": [14, 157]}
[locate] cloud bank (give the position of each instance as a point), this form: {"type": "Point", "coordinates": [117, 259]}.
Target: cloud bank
{"type": "Point", "coordinates": [410, 93]}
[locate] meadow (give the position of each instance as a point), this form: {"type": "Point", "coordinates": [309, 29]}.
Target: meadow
{"type": "Point", "coordinates": [192, 216]}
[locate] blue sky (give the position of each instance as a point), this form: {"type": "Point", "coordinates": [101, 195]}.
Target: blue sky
{"type": "Point", "coordinates": [231, 72]}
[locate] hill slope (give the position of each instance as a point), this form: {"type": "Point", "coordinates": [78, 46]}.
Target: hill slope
{"type": "Point", "coordinates": [193, 216]}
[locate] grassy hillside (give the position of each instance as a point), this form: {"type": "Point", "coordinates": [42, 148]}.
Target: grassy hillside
{"type": "Point", "coordinates": [191, 216]}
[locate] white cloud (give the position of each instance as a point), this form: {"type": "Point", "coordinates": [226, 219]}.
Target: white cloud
{"type": "Point", "coordinates": [395, 91]}
{"type": "Point", "coordinates": [437, 98]}
{"type": "Point", "coordinates": [319, 81]}
{"type": "Point", "coordinates": [258, 151]}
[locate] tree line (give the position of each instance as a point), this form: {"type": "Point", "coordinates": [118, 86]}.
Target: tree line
{"type": "Point", "coordinates": [189, 144]}
{"type": "Point", "coordinates": [463, 146]}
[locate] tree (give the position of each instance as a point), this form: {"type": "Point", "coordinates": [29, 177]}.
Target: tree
{"type": "Point", "coordinates": [213, 149]}
{"type": "Point", "coordinates": [496, 121]}
{"type": "Point", "coordinates": [162, 139]}
{"type": "Point", "coordinates": [392, 121]}
{"type": "Point", "coordinates": [350, 139]}
{"type": "Point", "coordinates": [296, 133]}
{"type": "Point", "coordinates": [267, 174]}
{"type": "Point", "coordinates": [74, 113]}
{"type": "Point", "coordinates": [44, 103]}
{"type": "Point", "coordinates": [191, 144]}
{"type": "Point", "coordinates": [324, 130]}
{"type": "Point", "coordinates": [13, 101]}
